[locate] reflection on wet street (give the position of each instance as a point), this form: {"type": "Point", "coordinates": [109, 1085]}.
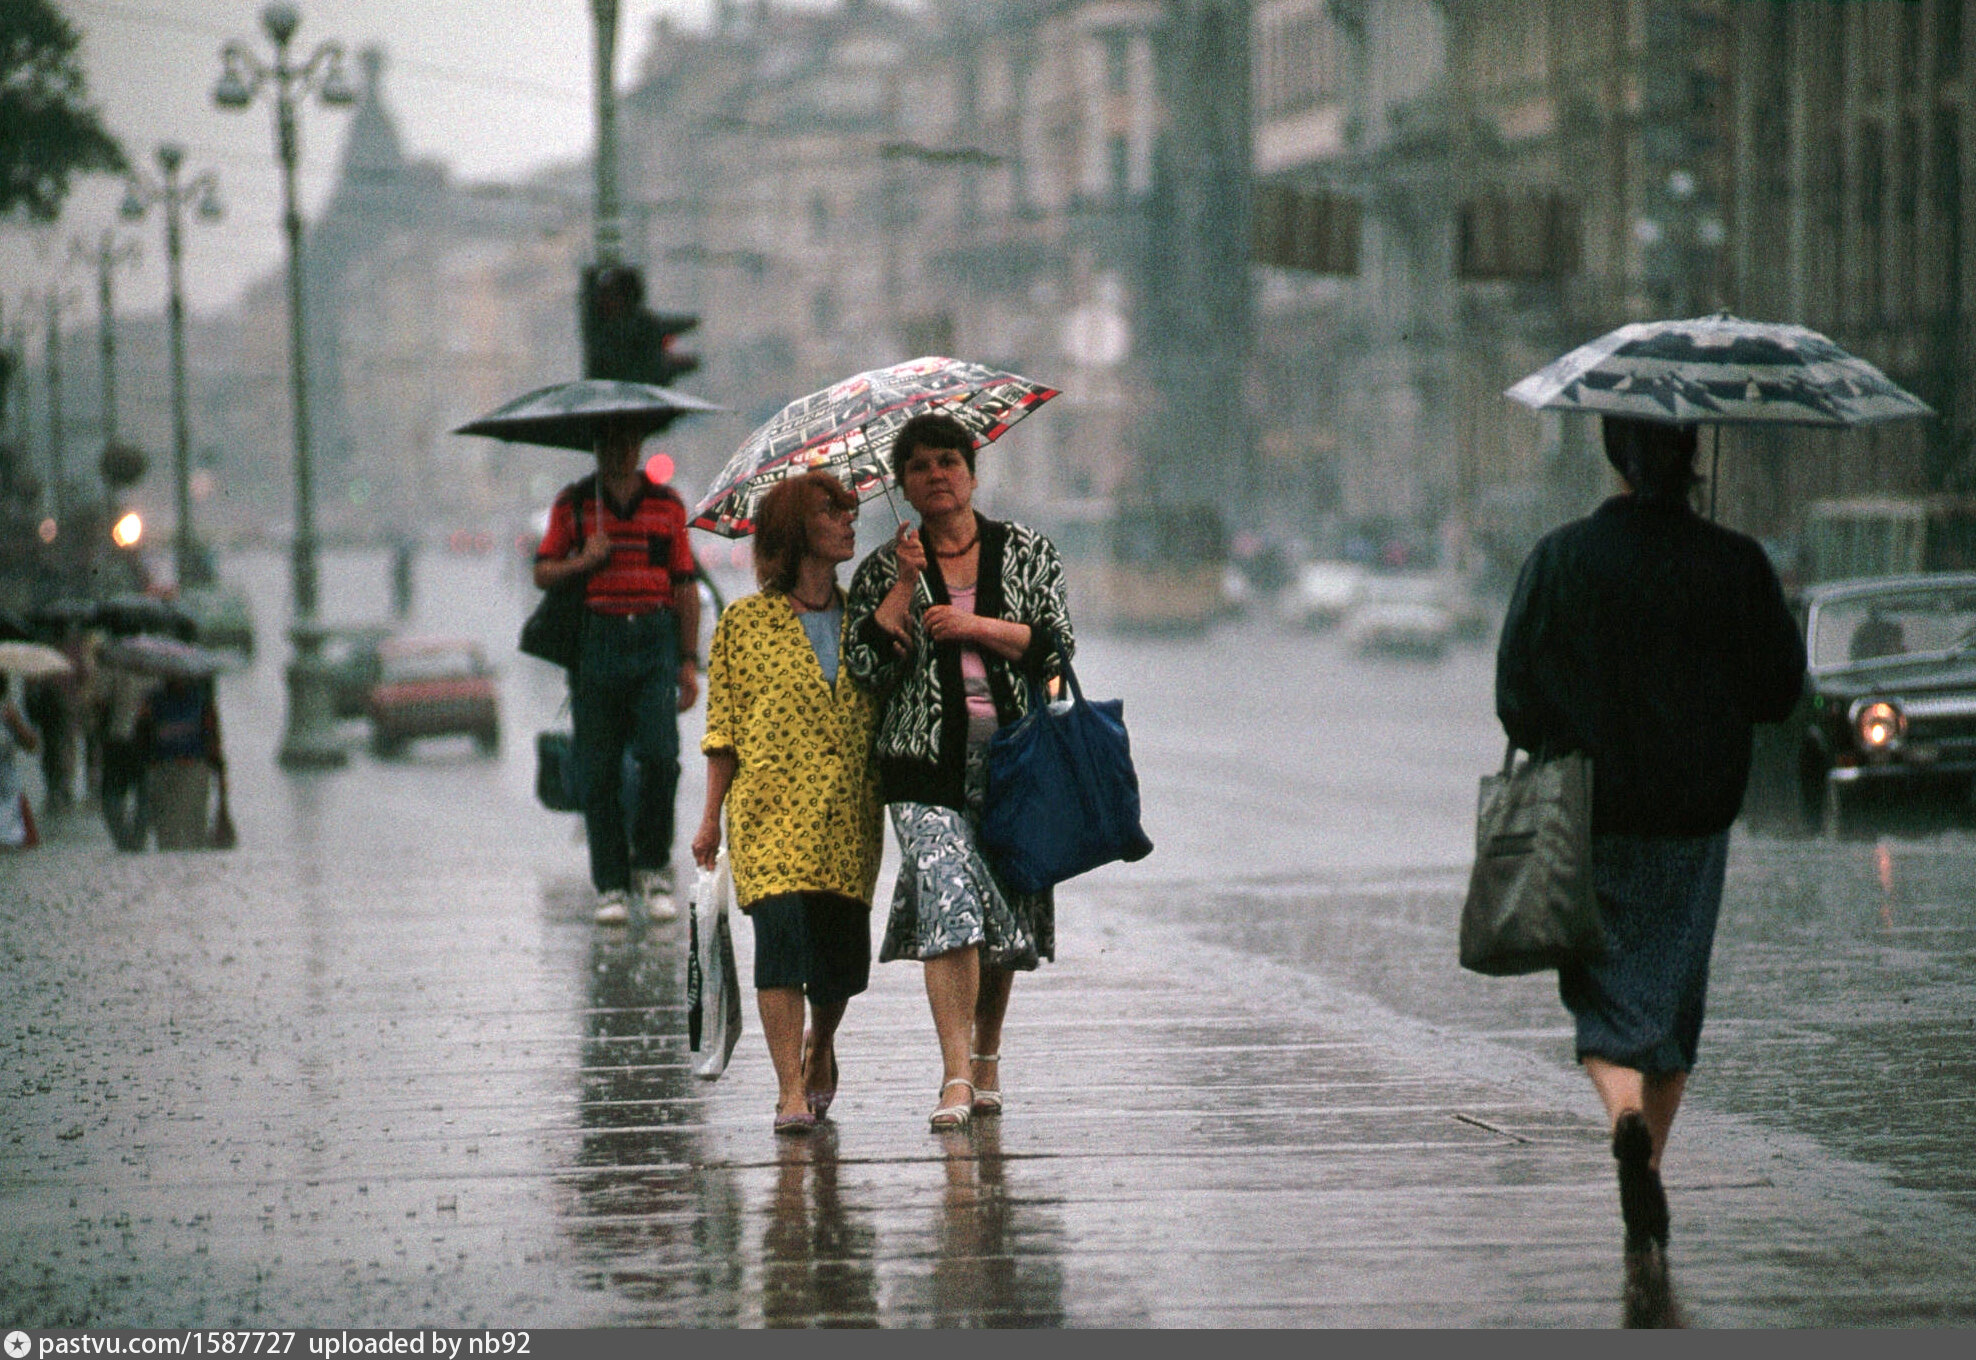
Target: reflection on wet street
{"type": "Point", "coordinates": [378, 1066]}
{"type": "Point", "coordinates": [817, 1266]}
{"type": "Point", "coordinates": [984, 1276]}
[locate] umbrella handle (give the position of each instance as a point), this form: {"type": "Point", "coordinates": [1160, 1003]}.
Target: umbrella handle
{"type": "Point", "coordinates": [920, 589]}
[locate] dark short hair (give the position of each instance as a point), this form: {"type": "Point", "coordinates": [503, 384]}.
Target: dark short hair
{"type": "Point", "coordinates": [1657, 461]}
{"type": "Point", "coordinates": [930, 431]}
{"type": "Point", "coordinates": [782, 524]}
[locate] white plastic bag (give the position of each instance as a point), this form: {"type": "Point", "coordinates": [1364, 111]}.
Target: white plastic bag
{"type": "Point", "coordinates": [713, 988]}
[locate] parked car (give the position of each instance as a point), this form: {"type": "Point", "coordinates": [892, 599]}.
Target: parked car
{"type": "Point", "coordinates": [1890, 701]}
{"type": "Point", "coordinates": [1323, 594]}
{"type": "Point", "coordinates": [1405, 615]}
{"type": "Point", "coordinates": [430, 687]}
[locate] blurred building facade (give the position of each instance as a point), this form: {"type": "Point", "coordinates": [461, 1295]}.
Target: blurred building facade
{"type": "Point", "coordinates": [1073, 188]}
{"type": "Point", "coordinates": [1055, 187]}
{"type": "Point", "coordinates": [1531, 173]}
{"type": "Point", "coordinates": [428, 302]}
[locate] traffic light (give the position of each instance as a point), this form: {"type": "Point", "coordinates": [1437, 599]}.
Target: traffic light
{"type": "Point", "coordinates": [624, 340]}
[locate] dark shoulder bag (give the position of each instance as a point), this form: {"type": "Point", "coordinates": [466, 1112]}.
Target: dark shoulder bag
{"type": "Point", "coordinates": [1530, 903]}
{"type": "Point", "coordinates": [1062, 797]}
{"type": "Point", "coordinates": [554, 632]}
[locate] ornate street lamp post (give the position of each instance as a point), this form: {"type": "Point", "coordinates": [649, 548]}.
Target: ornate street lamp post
{"type": "Point", "coordinates": [105, 257]}
{"type": "Point", "coordinates": [310, 740]}
{"type": "Point", "coordinates": [174, 195]}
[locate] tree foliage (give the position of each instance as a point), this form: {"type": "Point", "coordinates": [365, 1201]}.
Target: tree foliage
{"type": "Point", "coordinates": [49, 132]}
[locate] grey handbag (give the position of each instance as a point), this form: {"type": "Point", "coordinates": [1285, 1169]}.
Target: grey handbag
{"type": "Point", "coordinates": [1530, 902]}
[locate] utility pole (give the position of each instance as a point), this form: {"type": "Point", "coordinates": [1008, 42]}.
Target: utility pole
{"type": "Point", "coordinates": [609, 225]}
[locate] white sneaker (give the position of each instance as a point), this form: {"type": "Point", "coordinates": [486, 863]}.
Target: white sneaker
{"type": "Point", "coordinates": [613, 907]}
{"type": "Point", "coordinates": [655, 887]}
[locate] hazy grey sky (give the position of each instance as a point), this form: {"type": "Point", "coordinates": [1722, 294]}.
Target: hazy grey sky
{"type": "Point", "coordinates": [495, 88]}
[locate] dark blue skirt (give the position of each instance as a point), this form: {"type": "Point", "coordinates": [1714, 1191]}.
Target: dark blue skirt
{"type": "Point", "coordinates": [1659, 897]}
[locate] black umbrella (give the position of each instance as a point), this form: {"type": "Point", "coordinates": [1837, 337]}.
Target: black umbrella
{"type": "Point", "coordinates": [163, 656]}
{"type": "Point", "coordinates": [129, 614]}
{"type": "Point", "coordinates": [68, 611]}
{"type": "Point", "coordinates": [570, 415]}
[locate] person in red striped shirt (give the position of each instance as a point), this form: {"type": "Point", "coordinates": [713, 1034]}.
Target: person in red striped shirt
{"type": "Point", "coordinates": [636, 670]}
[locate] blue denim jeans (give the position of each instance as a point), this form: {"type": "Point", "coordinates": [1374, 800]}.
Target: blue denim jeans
{"type": "Point", "coordinates": [624, 697]}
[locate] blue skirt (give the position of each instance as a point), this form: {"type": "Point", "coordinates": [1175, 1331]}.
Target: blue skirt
{"type": "Point", "coordinates": [1659, 897]}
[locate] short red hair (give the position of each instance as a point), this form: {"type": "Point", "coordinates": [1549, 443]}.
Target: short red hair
{"type": "Point", "coordinates": [782, 524]}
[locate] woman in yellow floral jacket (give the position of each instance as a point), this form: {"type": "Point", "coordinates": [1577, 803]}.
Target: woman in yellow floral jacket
{"type": "Point", "coordinates": [788, 749]}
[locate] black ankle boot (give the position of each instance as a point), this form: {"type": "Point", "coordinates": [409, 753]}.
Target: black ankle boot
{"type": "Point", "coordinates": [1642, 1200]}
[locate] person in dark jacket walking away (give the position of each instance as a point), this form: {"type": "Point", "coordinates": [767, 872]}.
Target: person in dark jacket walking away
{"type": "Point", "coordinates": [1651, 639]}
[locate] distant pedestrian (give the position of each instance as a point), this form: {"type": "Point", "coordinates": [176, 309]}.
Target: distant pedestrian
{"type": "Point", "coordinates": [59, 706]}
{"type": "Point", "coordinates": [123, 694]}
{"type": "Point", "coordinates": [788, 747]}
{"type": "Point", "coordinates": [17, 829]}
{"type": "Point", "coordinates": [180, 735]}
{"type": "Point", "coordinates": [402, 554]}
{"type": "Point", "coordinates": [636, 670]}
{"type": "Point", "coordinates": [948, 624]}
{"type": "Point", "coordinates": [1651, 639]}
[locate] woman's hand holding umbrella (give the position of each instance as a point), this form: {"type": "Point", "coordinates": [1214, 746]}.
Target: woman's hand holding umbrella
{"type": "Point", "coordinates": [894, 612]}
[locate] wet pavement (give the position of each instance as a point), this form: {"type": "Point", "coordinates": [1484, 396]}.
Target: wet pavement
{"type": "Point", "coordinates": [377, 1068]}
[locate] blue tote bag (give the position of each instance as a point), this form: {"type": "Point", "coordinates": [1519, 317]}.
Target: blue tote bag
{"type": "Point", "coordinates": [1062, 795]}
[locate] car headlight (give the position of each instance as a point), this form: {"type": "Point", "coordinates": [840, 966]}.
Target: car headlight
{"type": "Point", "coordinates": [1879, 724]}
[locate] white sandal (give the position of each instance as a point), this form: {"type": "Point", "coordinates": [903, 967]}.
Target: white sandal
{"type": "Point", "coordinates": [985, 1102]}
{"type": "Point", "coordinates": [948, 1118]}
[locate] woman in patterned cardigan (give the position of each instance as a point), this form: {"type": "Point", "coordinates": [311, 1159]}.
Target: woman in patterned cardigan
{"type": "Point", "coordinates": [947, 625]}
{"type": "Point", "coordinates": [788, 747]}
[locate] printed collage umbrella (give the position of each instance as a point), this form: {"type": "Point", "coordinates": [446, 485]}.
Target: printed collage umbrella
{"type": "Point", "coordinates": [1719, 369]}
{"type": "Point", "coordinates": [847, 430]}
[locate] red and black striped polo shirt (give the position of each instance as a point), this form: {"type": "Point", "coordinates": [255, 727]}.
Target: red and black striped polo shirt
{"type": "Point", "coordinates": [649, 551]}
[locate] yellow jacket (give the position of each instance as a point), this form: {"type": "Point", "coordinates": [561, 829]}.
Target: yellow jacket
{"type": "Point", "coordinates": [803, 810]}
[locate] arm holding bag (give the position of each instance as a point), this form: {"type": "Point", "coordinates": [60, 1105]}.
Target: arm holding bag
{"type": "Point", "coordinates": [1063, 797]}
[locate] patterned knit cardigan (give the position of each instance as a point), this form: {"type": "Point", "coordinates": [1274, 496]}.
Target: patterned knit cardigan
{"type": "Point", "coordinates": [922, 735]}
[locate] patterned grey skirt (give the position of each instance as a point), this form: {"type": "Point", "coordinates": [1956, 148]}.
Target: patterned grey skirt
{"type": "Point", "coordinates": [947, 897]}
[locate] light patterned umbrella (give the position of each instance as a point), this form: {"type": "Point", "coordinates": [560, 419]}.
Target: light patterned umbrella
{"type": "Point", "coordinates": [32, 661]}
{"type": "Point", "coordinates": [1719, 370]}
{"type": "Point", "coordinates": [569, 415]}
{"type": "Point", "coordinates": [847, 430]}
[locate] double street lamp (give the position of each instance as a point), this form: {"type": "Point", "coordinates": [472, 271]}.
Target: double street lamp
{"type": "Point", "coordinates": [173, 195]}
{"type": "Point", "coordinates": [310, 739]}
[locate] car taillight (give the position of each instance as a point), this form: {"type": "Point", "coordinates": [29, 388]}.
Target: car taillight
{"type": "Point", "coordinates": [1880, 725]}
